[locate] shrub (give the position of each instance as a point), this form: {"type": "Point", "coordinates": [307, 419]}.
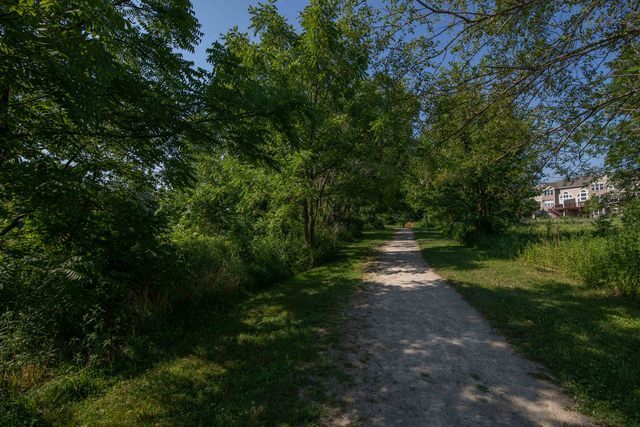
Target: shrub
{"type": "Point", "coordinates": [207, 264]}
{"type": "Point", "coordinates": [325, 245]}
{"type": "Point", "coordinates": [598, 253]}
{"type": "Point", "coordinates": [603, 225]}
{"type": "Point", "coordinates": [610, 262]}
{"type": "Point", "coordinates": [58, 310]}
{"type": "Point", "coordinates": [622, 268]}
{"type": "Point", "coordinates": [273, 259]}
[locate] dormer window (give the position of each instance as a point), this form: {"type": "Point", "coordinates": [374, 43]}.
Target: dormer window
{"type": "Point", "coordinates": [597, 186]}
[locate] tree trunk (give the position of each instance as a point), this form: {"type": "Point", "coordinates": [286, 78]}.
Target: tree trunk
{"type": "Point", "coordinates": [312, 226]}
{"type": "Point", "coordinates": [307, 218]}
{"type": "Point", "coordinates": [309, 221]}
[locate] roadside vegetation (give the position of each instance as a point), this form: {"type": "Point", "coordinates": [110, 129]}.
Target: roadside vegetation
{"type": "Point", "coordinates": [138, 192]}
{"type": "Point", "coordinates": [585, 336]}
{"type": "Point", "coordinates": [565, 293]}
{"type": "Point", "coordinates": [241, 357]}
{"type": "Point", "coordinates": [603, 254]}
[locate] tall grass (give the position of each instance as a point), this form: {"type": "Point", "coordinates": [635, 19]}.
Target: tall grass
{"type": "Point", "coordinates": [210, 262]}
{"type": "Point", "coordinates": [61, 314]}
{"type": "Point", "coordinates": [609, 262]}
{"type": "Point", "coordinates": [598, 253]}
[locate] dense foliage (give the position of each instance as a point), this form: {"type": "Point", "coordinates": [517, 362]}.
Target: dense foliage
{"type": "Point", "coordinates": [133, 184]}
{"type": "Point", "coordinates": [95, 122]}
{"type": "Point", "coordinates": [568, 68]}
{"type": "Point", "coordinates": [478, 179]}
{"type": "Point", "coordinates": [608, 261]}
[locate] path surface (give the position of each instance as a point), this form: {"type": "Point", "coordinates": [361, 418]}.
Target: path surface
{"type": "Point", "coordinates": [421, 355]}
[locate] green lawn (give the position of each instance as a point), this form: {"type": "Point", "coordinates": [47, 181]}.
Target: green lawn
{"type": "Point", "coordinates": [588, 340]}
{"type": "Point", "coordinates": [242, 360]}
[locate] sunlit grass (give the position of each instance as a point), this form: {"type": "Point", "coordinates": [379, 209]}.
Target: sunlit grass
{"type": "Point", "coordinates": [587, 338]}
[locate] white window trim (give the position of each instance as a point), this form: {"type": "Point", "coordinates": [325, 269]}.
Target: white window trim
{"type": "Point", "coordinates": [566, 195]}
{"type": "Point", "coordinates": [583, 196]}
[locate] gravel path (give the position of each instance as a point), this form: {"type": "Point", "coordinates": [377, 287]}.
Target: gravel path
{"type": "Point", "coordinates": [421, 355]}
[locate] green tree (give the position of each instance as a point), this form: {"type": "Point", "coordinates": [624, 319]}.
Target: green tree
{"type": "Point", "coordinates": [329, 139]}
{"type": "Point", "coordinates": [95, 120]}
{"type": "Point", "coordinates": [570, 66]}
{"type": "Point", "coordinates": [479, 179]}
{"type": "Point", "coordinates": [622, 140]}
{"type": "Point", "coordinates": [94, 102]}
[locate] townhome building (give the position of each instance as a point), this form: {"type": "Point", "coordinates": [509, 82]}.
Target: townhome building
{"type": "Point", "coordinates": [567, 198]}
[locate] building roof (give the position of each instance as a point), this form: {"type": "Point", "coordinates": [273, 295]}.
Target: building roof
{"type": "Point", "coordinates": [582, 181]}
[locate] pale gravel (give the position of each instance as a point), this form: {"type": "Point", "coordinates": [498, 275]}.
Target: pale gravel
{"type": "Point", "coordinates": [419, 355]}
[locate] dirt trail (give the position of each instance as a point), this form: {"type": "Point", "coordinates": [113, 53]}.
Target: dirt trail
{"type": "Point", "coordinates": [421, 355]}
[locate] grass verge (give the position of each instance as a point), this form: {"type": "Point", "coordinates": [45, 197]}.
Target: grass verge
{"type": "Point", "coordinates": [245, 359]}
{"type": "Point", "coordinates": [587, 340]}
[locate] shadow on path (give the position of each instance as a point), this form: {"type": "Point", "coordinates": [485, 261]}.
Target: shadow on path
{"type": "Point", "coordinates": [420, 355]}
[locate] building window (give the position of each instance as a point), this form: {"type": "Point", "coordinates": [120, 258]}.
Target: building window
{"type": "Point", "coordinates": [548, 203]}
{"type": "Point", "coordinates": [597, 186]}
{"type": "Point", "coordinates": [583, 196]}
{"type": "Point", "coordinates": [548, 192]}
{"type": "Point", "coordinates": [566, 196]}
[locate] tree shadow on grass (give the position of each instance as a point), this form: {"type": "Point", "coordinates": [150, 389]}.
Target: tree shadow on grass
{"type": "Point", "coordinates": [588, 339]}
{"type": "Point", "coordinates": [575, 333]}
{"type": "Point", "coordinates": [244, 360]}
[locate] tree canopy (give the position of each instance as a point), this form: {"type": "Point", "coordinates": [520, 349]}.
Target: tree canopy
{"type": "Point", "coordinates": [563, 63]}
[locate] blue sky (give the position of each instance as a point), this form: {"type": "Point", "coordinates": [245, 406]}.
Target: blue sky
{"type": "Point", "coordinates": [218, 16]}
